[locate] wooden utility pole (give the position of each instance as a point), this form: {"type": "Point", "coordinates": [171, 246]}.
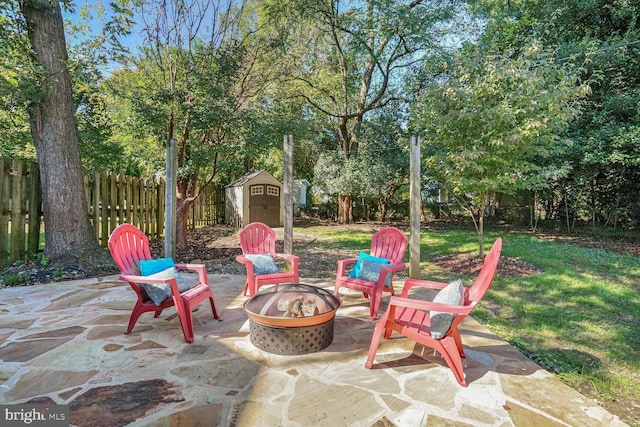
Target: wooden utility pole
{"type": "Point", "coordinates": [170, 200]}
{"type": "Point", "coordinates": [288, 194]}
{"type": "Point", "coordinates": [414, 208]}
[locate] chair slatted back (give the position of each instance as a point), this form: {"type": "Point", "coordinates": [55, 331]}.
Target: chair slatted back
{"type": "Point", "coordinates": [389, 243]}
{"type": "Point", "coordinates": [128, 245]}
{"type": "Point", "coordinates": [486, 274]}
{"type": "Point", "coordinates": [258, 238]}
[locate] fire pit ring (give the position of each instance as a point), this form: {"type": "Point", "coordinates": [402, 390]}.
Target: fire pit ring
{"type": "Point", "coordinates": [291, 319]}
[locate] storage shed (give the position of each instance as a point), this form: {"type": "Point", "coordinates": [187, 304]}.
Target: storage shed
{"type": "Point", "coordinates": [300, 195]}
{"type": "Point", "coordinates": [256, 196]}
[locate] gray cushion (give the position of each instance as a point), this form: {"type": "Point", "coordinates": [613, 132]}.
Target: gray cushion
{"type": "Point", "coordinates": [452, 294]}
{"type": "Point", "coordinates": [160, 292]}
{"type": "Point", "coordinates": [263, 263]}
{"type": "Point", "coordinates": [370, 270]}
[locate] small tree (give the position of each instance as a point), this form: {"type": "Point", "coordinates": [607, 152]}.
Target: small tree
{"type": "Point", "coordinates": [491, 124]}
{"type": "Point", "coordinates": [383, 160]}
{"type": "Point", "coordinates": [195, 79]}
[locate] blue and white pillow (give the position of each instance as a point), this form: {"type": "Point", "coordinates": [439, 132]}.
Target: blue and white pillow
{"type": "Point", "coordinates": [263, 263]}
{"type": "Point", "coordinates": [452, 294]}
{"type": "Point", "coordinates": [153, 266]}
{"type": "Point", "coordinates": [355, 272]}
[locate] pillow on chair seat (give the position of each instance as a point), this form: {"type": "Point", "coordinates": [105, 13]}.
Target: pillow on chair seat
{"type": "Point", "coordinates": [153, 266]}
{"type": "Point", "coordinates": [263, 263]}
{"type": "Point", "coordinates": [370, 270]}
{"type": "Point", "coordinates": [158, 292]}
{"type": "Point", "coordinates": [355, 272]}
{"type": "Point", "coordinates": [452, 294]}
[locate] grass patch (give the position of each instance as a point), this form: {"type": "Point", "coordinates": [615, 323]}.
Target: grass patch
{"type": "Point", "coordinates": [578, 318]}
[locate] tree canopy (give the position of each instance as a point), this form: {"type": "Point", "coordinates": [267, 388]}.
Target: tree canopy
{"type": "Point", "coordinates": [507, 96]}
{"type": "Point", "coordinates": [493, 123]}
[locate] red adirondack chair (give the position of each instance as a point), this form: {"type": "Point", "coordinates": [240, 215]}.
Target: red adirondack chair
{"type": "Point", "coordinates": [258, 239]}
{"type": "Point", "coordinates": [412, 317]}
{"type": "Point", "coordinates": [389, 243]}
{"type": "Point", "coordinates": [129, 246]}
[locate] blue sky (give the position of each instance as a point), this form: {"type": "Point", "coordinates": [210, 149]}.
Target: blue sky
{"type": "Point", "coordinates": [88, 20]}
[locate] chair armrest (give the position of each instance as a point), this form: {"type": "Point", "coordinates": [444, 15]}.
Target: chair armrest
{"type": "Point", "coordinates": [199, 268]}
{"type": "Point", "coordinates": [144, 279]}
{"type": "Point", "coordinates": [247, 263]}
{"type": "Point", "coordinates": [172, 282]}
{"type": "Point", "coordinates": [243, 260]}
{"type": "Point", "coordinates": [342, 265]}
{"type": "Point", "coordinates": [411, 283]}
{"type": "Point", "coordinates": [395, 267]}
{"type": "Point", "coordinates": [196, 267]}
{"type": "Point", "coordinates": [384, 271]}
{"type": "Point", "coordinates": [291, 261]}
{"type": "Point", "coordinates": [289, 257]}
{"type": "Point", "coordinates": [428, 305]}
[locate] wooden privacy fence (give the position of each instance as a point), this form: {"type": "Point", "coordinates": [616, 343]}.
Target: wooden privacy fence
{"type": "Point", "coordinates": [113, 199]}
{"type": "Point", "coordinates": [20, 208]}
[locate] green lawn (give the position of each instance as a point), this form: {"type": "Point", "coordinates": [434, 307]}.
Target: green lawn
{"type": "Point", "coordinates": [579, 318]}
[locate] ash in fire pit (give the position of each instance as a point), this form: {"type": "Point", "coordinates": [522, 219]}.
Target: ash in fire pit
{"type": "Point", "coordinates": [298, 307]}
{"type": "Point", "coordinates": [292, 319]}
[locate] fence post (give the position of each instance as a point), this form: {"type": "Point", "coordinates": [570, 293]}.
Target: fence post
{"type": "Point", "coordinates": [415, 199]}
{"type": "Point", "coordinates": [170, 201]}
{"type": "Point", "coordinates": [288, 199]}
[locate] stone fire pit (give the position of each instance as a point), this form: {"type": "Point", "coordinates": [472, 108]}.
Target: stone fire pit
{"type": "Point", "coordinates": [291, 319]}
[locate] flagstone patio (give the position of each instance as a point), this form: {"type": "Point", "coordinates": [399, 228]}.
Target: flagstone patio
{"type": "Point", "coordinates": [64, 343]}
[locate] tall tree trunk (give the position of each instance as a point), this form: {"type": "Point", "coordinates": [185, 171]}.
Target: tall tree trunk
{"type": "Point", "coordinates": [481, 230]}
{"type": "Point", "coordinates": [345, 209]}
{"type": "Point", "coordinates": [382, 210]}
{"type": "Point", "coordinates": [69, 235]}
{"type": "Point", "coordinates": [182, 211]}
{"type": "Point", "coordinates": [182, 215]}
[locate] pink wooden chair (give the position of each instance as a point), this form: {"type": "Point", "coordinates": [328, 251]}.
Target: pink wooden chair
{"type": "Point", "coordinates": [129, 246]}
{"type": "Point", "coordinates": [389, 243]}
{"type": "Point", "coordinates": [411, 317]}
{"type": "Point", "coordinates": [258, 239]}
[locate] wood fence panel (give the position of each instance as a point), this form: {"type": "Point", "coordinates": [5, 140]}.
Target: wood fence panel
{"type": "Point", "coordinates": [113, 205]}
{"type": "Point", "coordinates": [34, 195]}
{"type": "Point", "coordinates": [16, 244]}
{"type": "Point", "coordinates": [144, 218]}
{"type": "Point", "coordinates": [4, 215]}
{"type": "Point", "coordinates": [112, 200]}
{"type": "Point", "coordinates": [153, 209]}
{"type": "Point", "coordinates": [129, 217]}
{"type": "Point", "coordinates": [135, 213]}
{"type": "Point", "coordinates": [104, 208]}
{"type": "Point", "coordinates": [161, 210]}
{"type": "Point", "coordinates": [95, 204]}
{"type": "Point", "coordinates": [122, 200]}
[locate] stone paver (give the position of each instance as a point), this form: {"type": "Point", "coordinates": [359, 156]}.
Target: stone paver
{"type": "Point", "coordinates": [64, 343]}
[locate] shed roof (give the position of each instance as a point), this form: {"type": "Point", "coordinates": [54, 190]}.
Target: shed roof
{"type": "Point", "coordinates": [246, 178]}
